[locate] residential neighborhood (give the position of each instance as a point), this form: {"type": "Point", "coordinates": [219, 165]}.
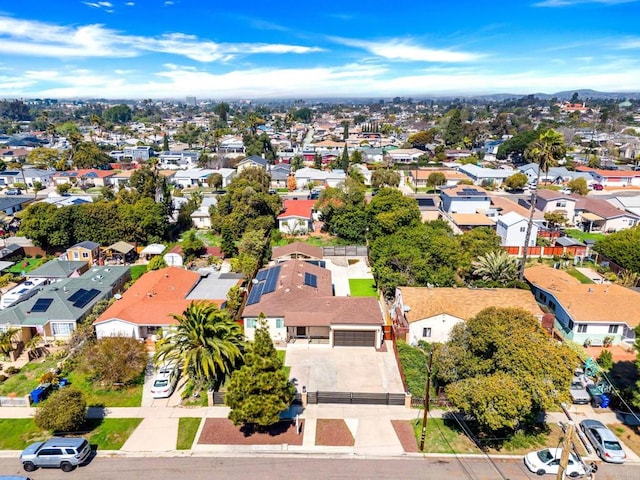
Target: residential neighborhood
{"type": "Point", "coordinates": [288, 270]}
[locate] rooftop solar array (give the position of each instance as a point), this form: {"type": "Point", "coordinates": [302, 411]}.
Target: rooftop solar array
{"type": "Point", "coordinates": [82, 297]}
{"type": "Point", "coordinates": [42, 304]}
{"type": "Point", "coordinates": [265, 282]}
{"type": "Point", "coordinates": [471, 191]}
{"type": "Point", "coordinates": [317, 263]}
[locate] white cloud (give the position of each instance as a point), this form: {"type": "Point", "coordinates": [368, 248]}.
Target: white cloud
{"type": "Point", "coordinates": [129, 4]}
{"type": "Point", "coordinates": [629, 44]}
{"type": "Point", "coordinates": [403, 50]}
{"type": "Point", "coordinates": [106, 5]}
{"type": "Point", "coordinates": [24, 37]}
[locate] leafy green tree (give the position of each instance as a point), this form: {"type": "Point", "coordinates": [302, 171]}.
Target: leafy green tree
{"type": "Point", "coordinates": [119, 114]}
{"type": "Point", "coordinates": [227, 243]}
{"type": "Point", "coordinates": [207, 344]}
{"type": "Point", "coordinates": [436, 179]}
{"type": "Point", "coordinates": [260, 390]}
{"type": "Point", "coordinates": [622, 248]}
{"type": "Point", "coordinates": [389, 211]}
{"type": "Point", "coordinates": [517, 181]}
{"type": "Point", "coordinates": [235, 296]}
{"type": "Point", "coordinates": [7, 339]}
{"type": "Point", "coordinates": [385, 177]}
{"type": "Point", "coordinates": [517, 145]}
{"type": "Point", "coordinates": [317, 161]}
{"type": "Point", "coordinates": [188, 133]}
{"type": "Point", "coordinates": [498, 351]}
{"type": "Point", "coordinates": [344, 159]}
{"type": "Point", "coordinates": [555, 219]}
{"type": "Point", "coordinates": [578, 186]}
{"type": "Point", "coordinates": [64, 411]}
{"type": "Point", "coordinates": [88, 155]}
{"type": "Point", "coordinates": [156, 263]}
{"type": "Point", "coordinates": [115, 360]}
{"type": "Point", "coordinates": [545, 151]}
{"type": "Point", "coordinates": [421, 139]}
{"type": "Point", "coordinates": [42, 156]}
{"type": "Point", "coordinates": [215, 181]}
{"type": "Point", "coordinates": [192, 246]}
{"type": "Point", "coordinates": [496, 266]}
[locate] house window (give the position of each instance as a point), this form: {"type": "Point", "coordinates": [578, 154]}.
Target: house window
{"type": "Point", "coordinates": [552, 306]}
{"type": "Point", "coordinates": [62, 328]}
{"type": "Point", "coordinates": [75, 255]}
{"type": "Point", "coordinates": [251, 323]}
{"type": "Point", "coordinates": [613, 329]}
{"type": "Point", "coordinates": [523, 229]}
{"type": "Point", "coordinates": [570, 325]}
{"type": "Point", "coordinates": [426, 332]}
{"type": "Point", "coordinates": [561, 204]}
{"type": "Point", "coordinates": [85, 255]}
{"type": "Point", "coordinates": [279, 322]}
{"type": "Point", "coordinates": [582, 328]}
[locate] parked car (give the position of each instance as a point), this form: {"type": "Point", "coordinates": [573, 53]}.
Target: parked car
{"type": "Point", "coordinates": [548, 461]}
{"type": "Point", "coordinates": [578, 392]}
{"type": "Point", "coordinates": [165, 381]}
{"type": "Point", "coordinates": [57, 452]}
{"type": "Point", "coordinates": [605, 443]}
{"type": "Point", "coordinates": [14, 191]}
{"type": "Point", "coordinates": [597, 186]}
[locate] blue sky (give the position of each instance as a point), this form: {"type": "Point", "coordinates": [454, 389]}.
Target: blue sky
{"type": "Point", "coordinates": [295, 49]}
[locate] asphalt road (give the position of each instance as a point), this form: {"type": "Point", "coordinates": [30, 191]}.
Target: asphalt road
{"type": "Point", "coordinates": [296, 468]}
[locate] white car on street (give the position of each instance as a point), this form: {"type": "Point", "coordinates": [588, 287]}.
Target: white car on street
{"type": "Point", "coordinates": [548, 461]}
{"type": "Point", "coordinates": [165, 381]}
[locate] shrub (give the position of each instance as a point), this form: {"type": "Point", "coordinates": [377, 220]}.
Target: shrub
{"type": "Point", "coordinates": [605, 360]}
{"type": "Point", "coordinates": [115, 360]}
{"type": "Point", "coordinates": [64, 411]}
{"type": "Point", "coordinates": [3, 378]}
{"type": "Point", "coordinates": [11, 370]}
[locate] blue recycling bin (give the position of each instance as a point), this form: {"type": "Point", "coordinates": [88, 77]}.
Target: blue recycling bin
{"type": "Point", "coordinates": [63, 382]}
{"type": "Point", "coordinates": [606, 399]}
{"type": "Point", "coordinates": [40, 392]}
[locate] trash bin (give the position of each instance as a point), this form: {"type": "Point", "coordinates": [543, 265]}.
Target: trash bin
{"type": "Point", "coordinates": [605, 400]}
{"type": "Point", "coordinates": [63, 382]}
{"type": "Point", "coordinates": [37, 395]}
{"type": "Point", "coordinates": [596, 401]}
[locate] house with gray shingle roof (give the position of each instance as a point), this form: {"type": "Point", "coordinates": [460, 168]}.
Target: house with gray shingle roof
{"type": "Point", "coordinates": [58, 269]}
{"type": "Point", "coordinates": [55, 311]}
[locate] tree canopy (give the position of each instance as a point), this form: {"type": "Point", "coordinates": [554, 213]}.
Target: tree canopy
{"type": "Point", "coordinates": [502, 368]}
{"type": "Point", "coordinates": [622, 248]}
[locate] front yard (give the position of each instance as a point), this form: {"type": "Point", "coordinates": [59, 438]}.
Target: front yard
{"type": "Point", "coordinates": [362, 287]}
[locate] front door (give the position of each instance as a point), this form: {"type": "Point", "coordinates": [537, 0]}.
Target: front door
{"type": "Point", "coordinates": [301, 332]}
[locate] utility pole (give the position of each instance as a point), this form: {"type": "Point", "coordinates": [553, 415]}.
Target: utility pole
{"type": "Point", "coordinates": [426, 403]}
{"type": "Point", "coordinates": [566, 449]}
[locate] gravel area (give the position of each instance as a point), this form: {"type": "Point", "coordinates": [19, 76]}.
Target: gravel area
{"type": "Point", "coordinates": [333, 433]}
{"type": "Point", "coordinates": [222, 431]}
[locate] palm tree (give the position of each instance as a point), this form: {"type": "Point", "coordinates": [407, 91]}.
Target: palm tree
{"type": "Point", "coordinates": [496, 266]}
{"type": "Point", "coordinates": [546, 151]}
{"type": "Point", "coordinates": [207, 344]}
{"type": "Point", "coordinates": [6, 341]}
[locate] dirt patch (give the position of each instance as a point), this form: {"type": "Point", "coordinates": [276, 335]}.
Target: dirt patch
{"type": "Point", "coordinates": [333, 433]}
{"type": "Point", "coordinates": [404, 431]}
{"type": "Point", "coordinates": [630, 435]}
{"type": "Point", "coordinates": [222, 431]}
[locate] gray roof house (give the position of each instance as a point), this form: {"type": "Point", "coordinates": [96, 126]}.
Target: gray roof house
{"type": "Point", "coordinates": [252, 161]}
{"type": "Point", "coordinates": [59, 269]}
{"type": "Point", "coordinates": [55, 311]}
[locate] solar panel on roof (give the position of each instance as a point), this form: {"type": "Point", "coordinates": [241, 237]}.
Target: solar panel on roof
{"type": "Point", "coordinates": [86, 298]}
{"type": "Point", "coordinates": [255, 294]}
{"type": "Point", "coordinates": [272, 280]}
{"type": "Point", "coordinates": [311, 280]}
{"type": "Point", "coordinates": [77, 294]}
{"type": "Point", "coordinates": [262, 275]}
{"type": "Point", "coordinates": [42, 304]}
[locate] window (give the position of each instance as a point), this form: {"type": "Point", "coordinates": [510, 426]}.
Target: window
{"type": "Point", "coordinates": [251, 323]}
{"type": "Point", "coordinates": [582, 327]}
{"type": "Point", "coordinates": [552, 306]}
{"type": "Point", "coordinates": [570, 325]}
{"type": "Point", "coordinates": [85, 255]}
{"type": "Point", "coordinates": [75, 255]}
{"type": "Point", "coordinates": [523, 229]}
{"type": "Point", "coordinates": [279, 322]}
{"type": "Point", "coordinates": [46, 452]}
{"type": "Point", "coordinates": [561, 204]}
{"type": "Point", "coordinates": [613, 328]}
{"type": "Point", "coordinates": [62, 328]}
{"type": "Point", "coordinates": [426, 332]}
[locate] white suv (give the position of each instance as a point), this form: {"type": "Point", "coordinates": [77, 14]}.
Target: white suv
{"type": "Point", "coordinates": [165, 381]}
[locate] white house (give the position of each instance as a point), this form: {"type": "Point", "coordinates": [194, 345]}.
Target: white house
{"type": "Point", "coordinates": [297, 217]}
{"type": "Point", "coordinates": [429, 314]}
{"type": "Point", "coordinates": [485, 176]}
{"type": "Point", "coordinates": [465, 199]}
{"type": "Point", "coordinates": [512, 230]}
{"type": "Point", "coordinates": [307, 175]}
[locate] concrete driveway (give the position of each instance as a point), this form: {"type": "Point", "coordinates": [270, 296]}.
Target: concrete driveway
{"type": "Point", "coordinates": [343, 369]}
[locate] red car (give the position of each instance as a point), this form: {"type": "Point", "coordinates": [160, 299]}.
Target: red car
{"type": "Point", "coordinates": [597, 186]}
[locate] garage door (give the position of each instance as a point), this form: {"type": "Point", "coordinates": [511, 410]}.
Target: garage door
{"type": "Point", "coordinates": [354, 338]}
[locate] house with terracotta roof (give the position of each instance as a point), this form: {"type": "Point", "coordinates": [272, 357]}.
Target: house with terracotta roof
{"type": "Point", "coordinates": [149, 304]}
{"type": "Point", "coordinates": [586, 313]}
{"type": "Point", "coordinates": [597, 214]}
{"type": "Point", "coordinates": [84, 176]}
{"type": "Point", "coordinates": [552, 201]}
{"type": "Point", "coordinates": [297, 301]}
{"type": "Point", "coordinates": [429, 314]}
{"type": "Point", "coordinates": [419, 177]}
{"type": "Point", "coordinates": [613, 178]}
{"type": "Point", "coordinates": [297, 217]}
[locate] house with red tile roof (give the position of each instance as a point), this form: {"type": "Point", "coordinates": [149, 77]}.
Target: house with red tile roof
{"type": "Point", "coordinates": [296, 217]}
{"type": "Point", "coordinates": [99, 178]}
{"type": "Point", "coordinates": [150, 303]}
{"type": "Point", "coordinates": [613, 178]}
{"type": "Point", "coordinates": [297, 301]}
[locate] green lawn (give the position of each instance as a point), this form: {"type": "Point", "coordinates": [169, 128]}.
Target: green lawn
{"type": "Point", "coordinates": [362, 287]}
{"type": "Point", "coordinates": [582, 236]}
{"type": "Point", "coordinates": [129, 396]}
{"type": "Point", "coordinates": [282, 354]}
{"type": "Point", "coordinates": [443, 437]}
{"type": "Point", "coordinates": [137, 271]}
{"type": "Point", "coordinates": [107, 434]}
{"type": "Point", "coordinates": [209, 239]}
{"type": "Point", "coordinates": [27, 379]}
{"type": "Point", "coordinates": [26, 265]}
{"type": "Point", "coordinates": [187, 429]}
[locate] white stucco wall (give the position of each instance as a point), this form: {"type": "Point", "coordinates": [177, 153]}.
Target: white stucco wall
{"type": "Point", "coordinates": [440, 325]}
{"type": "Point", "coordinates": [116, 328]}
{"type": "Point", "coordinates": [277, 334]}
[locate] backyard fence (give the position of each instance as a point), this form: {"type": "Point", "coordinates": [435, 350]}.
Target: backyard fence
{"type": "Point", "coordinates": [346, 251]}
{"type": "Point", "coordinates": [350, 398]}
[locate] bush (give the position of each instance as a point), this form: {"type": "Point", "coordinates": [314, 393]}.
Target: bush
{"type": "Point", "coordinates": [115, 360]}
{"type": "Point", "coordinates": [64, 411]}
{"type": "Point", "coordinates": [605, 360]}
{"type": "Point", "coordinates": [3, 378]}
{"type": "Point", "coordinates": [11, 370]}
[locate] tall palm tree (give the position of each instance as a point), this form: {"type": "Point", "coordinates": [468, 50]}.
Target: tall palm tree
{"type": "Point", "coordinates": [496, 266]}
{"type": "Point", "coordinates": [206, 343]}
{"type": "Point", "coordinates": [546, 151]}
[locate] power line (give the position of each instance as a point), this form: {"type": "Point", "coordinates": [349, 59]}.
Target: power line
{"type": "Point", "coordinates": [464, 467]}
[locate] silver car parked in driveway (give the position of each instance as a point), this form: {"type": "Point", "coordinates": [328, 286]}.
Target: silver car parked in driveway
{"type": "Point", "coordinates": [605, 443]}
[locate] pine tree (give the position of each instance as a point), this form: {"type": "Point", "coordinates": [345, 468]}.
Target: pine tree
{"type": "Point", "coordinates": [227, 243]}
{"type": "Point", "coordinates": [454, 133]}
{"type": "Point", "coordinates": [344, 159]}
{"type": "Point", "coordinates": [260, 390]}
